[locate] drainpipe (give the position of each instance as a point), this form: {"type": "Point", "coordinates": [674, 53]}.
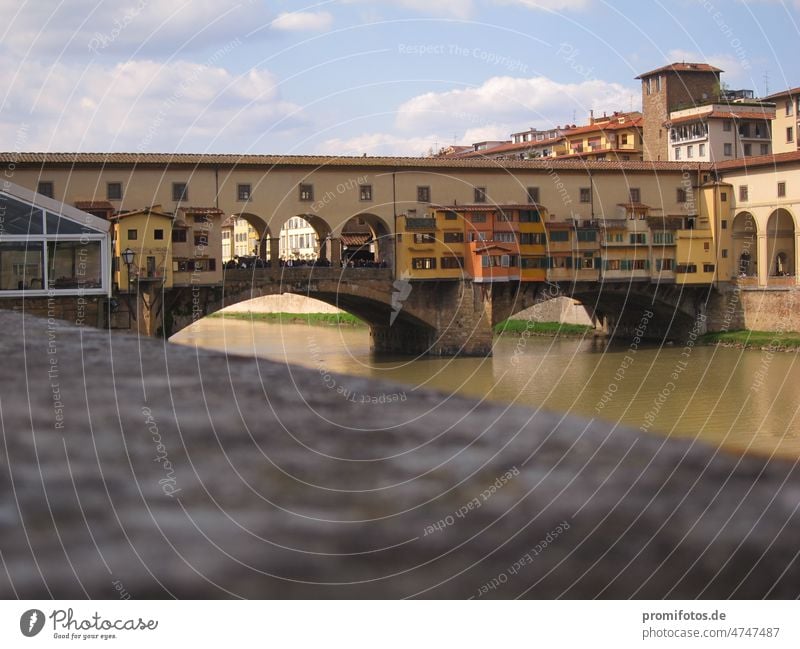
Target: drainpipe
{"type": "Point", "coordinates": [394, 212]}
{"type": "Point", "coordinates": [216, 186]}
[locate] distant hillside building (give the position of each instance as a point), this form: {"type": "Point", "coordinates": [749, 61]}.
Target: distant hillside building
{"type": "Point", "coordinates": [720, 131]}
{"type": "Point", "coordinates": [784, 127]}
{"type": "Point", "coordinates": [670, 88]}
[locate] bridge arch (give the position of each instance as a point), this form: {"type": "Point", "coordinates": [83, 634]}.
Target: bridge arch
{"type": "Point", "coordinates": [262, 229]}
{"type": "Point", "coordinates": [378, 248]}
{"type": "Point", "coordinates": [744, 232]}
{"type": "Point", "coordinates": [781, 243]}
{"type": "Point", "coordinates": [288, 248]}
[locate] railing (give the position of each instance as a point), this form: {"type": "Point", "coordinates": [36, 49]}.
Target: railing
{"type": "Point", "coordinates": [294, 273]}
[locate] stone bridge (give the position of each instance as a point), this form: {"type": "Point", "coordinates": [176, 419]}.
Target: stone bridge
{"type": "Point", "coordinates": [457, 317]}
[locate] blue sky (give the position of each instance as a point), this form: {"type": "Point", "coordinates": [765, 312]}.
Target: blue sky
{"type": "Point", "coordinates": [355, 76]}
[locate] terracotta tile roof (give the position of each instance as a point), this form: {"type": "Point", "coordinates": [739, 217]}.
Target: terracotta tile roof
{"type": "Point", "coordinates": [355, 239]}
{"type": "Point", "coordinates": [511, 146]}
{"type": "Point", "coordinates": [634, 206]}
{"type": "Point", "coordinates": [229, 222]}
{"type": "Point", "coordinates": [93, 205]}
{"type": "Point", "coordinates": [318, 162]}
{"type": "Point", "coordinates": [682, 67]}
{"type": "Point", "coordinates": [720, 114]}
{"type": "Point", "coordinates": [612, 124]}
{"type": "Point", "coordinates": [146, 210]}
{"type": "Point", "coordinates": [771, 160]}
{"type": "Point", "coordinates": [603, 151]}
{"type": "Point", "coordinates": [783, 93]}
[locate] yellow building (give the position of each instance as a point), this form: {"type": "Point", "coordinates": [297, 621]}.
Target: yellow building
{"type": "Point", "coordinates": [147, 233]}
{"type": "Point", "coordinates": [431, 247]}
{"type": "Point", "coordinates": [784, 126]}
{"type": "Point", "coordinates": [612, 137]}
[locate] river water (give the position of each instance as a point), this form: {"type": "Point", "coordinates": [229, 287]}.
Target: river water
{"type": "Point", "coordinates": [745, 400]}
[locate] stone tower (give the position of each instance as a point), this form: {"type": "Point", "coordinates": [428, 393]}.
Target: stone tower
{"type": "Point", "coordinates": [679, 85]}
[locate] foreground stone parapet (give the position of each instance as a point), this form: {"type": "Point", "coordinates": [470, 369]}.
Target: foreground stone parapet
{"type": "Point", "coordinates": [167, 471]}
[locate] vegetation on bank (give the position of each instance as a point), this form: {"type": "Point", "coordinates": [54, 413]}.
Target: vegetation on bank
{"type": "Point", "coordinates": [294, 318]}
{"type": "Point", "coordinates": [541, 328]}
{"type": "Point", "coordinates": [755, 339]}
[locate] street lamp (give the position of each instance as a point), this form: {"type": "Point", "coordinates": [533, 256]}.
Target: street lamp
{"type": "Point", "coordinates": [128, 256]}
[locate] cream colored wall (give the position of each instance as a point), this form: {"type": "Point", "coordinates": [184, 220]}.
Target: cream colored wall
{"type": "Point", "coordinates": [779, 125]}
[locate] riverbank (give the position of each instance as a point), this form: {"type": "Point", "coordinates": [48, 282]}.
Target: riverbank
{"type": "Point", "coordinates": [345, 319]}
{"type": "Point", "coordinates": [541, 328]}
{"type": "Point", "coordinates": [746, 339]}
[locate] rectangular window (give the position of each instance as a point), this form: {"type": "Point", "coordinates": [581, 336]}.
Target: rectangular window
{"type": "Point", "coordinates": [452, 262]}
{"type": "Point", "coordinates": [690, 151]}
{"type": "Point", "coordinates": [505, 216]}
{"type": "Point", "coordinates": [706, 246]}
{"type": "Point", "coordinates": [201, 238]}
{"type": "Point", "coordinates": [663, 238]}
{"type": "Point", "coordinates": [702, 150]}
{"type": "Point", "coordinates": [450, 216]}
{"type": "Point", "coordinates": [423, 263]}
{"type": "Point", "coordinates": [789, 134]}
{"type": "Point", "coordinates": [724, 224]}
{"type": "Point", "coordinates": [114, 191]}
{"type": "Point", "coordinates": [529, 216]}
{"type": "Point", "coordinates": [478, 218]}
{"type": "Point", "coordinates": [764, 149]}
{"type": "Point", "coordinates": [727, 149]}
{"type": "Point", "coordinates": [559, 235]}
{"type": "Point", "coordinates": [179, 235]}
{"type": "Point", "coordinates": [612, 264]}
{"type": "Point", "coordinates": [723, 197]}
{"type": "Point", "coordinates": [743, 192]}
{"type": "Point", "coordinates": [681, 195]}
{"type": "Point", "coordinates": [365, 192]}
{"type": "Point", "coordinates": [453, 237]}
{"type": "Point", "coordinates": [658, 83]}
{"type": "Point", "coordinates": [788, 107]}
{"type": "Point", "coordinates": [504, 237]}
{"type": "Point", "coordinates": [133, 234]}
{"type": "Point", "coordinates": [158, 235]}
{"type": "Point", "coordinates": [477, 236]}
{"type": "Point", "coordinates": [726, 125]}
{"type": "Point", "coordinates": [306, 192]}
{"type": "Point", "coordinates": [45, 188]}
{"type": "Point", "coordinates": [533, 194]}
{"type": "Point", "coordinates": [424, 237]}
{"type": "Point", "coordinates": [708, 268]}
{"type": "Point", "coordinates": [634, 195]}
{"type": "Point", "coordinates": [677, 153]}
{"type": "Point", "coordinates": [724, 253]}
{"type": "Point", "coordinates": [586, 195]}
{"type": "Point", "coordinates": [532, 238]}
{"type": "Point", "coordinates": [243, 192]}
{"type": "Point", "coordinates": [781, 189]}
{"type": "Point", "coordinates": [180, 192]}
{"type": "Point", "coordinates": [480, 194]}
{"type": "Point", "coordinates": [748, 149]}
{"type": "Point", "coordinates": [423, 194]}
{"type": "Point", "coordinates": [533, 262]}
{"type": "Point", "coordinates": [686, 268]}
{"type": "Point", "coordinates": [664, 264]}
{"type": "Point", "coordinates": [587, 235]}
{"type": "Point", "coordinates": [638, 238]}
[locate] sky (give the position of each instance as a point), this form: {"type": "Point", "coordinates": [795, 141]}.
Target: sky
{"type": "Point", "coordinates": [354, 77]}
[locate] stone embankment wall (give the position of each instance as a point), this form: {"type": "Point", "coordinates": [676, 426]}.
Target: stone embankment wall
{"type": "Point", "coordinates": [171, 471]}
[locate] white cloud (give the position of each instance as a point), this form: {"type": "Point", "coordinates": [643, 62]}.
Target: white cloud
{"type": "Point", "coordinates": [139, 105]}
{"type": "Point", "coordinates": [521, 102]}
{"type": "Point", "coordinates": [461, 9]}
{"type": "Point", "coordinates": [551, 5]}
{"type": "Point", "coordinates": [491, 111]}
{"type": "Point", "coordinates": [303, 21]}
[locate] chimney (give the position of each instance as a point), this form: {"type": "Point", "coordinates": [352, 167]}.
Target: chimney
{"type": "Point", "coordinates": [591, 117]}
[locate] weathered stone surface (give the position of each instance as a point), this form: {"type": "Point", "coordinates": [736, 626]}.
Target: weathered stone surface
{"type": "Point", "coordinates": [288, 487]}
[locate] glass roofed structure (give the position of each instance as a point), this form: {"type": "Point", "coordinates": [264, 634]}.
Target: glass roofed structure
{"type": "Point", "coordinates": [49, 248]}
